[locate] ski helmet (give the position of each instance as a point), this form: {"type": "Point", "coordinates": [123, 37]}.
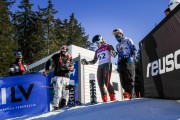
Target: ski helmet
{"type": "Point", "coordinates": [63, 49]}
{"type": "Point", "coordinates": [117, 30]}
{"type": "Point", "coordinates": [18, 54]}
{"type": "Point", "coordinates": [173, 4]}
{"type": "Point", "coordinates": [97, 38]}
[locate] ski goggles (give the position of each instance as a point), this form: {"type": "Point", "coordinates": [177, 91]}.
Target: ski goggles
{"type": "Point", "coordinates": [98, 42]}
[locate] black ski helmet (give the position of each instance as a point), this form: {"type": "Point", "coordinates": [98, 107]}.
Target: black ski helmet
{"type": "Point", "coordinates": [97, 38]}
{"type": "Point", "coordinates": [18, 54]}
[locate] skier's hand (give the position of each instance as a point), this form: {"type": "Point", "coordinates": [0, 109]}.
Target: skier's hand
{"type": "Point", "coordinates": [71, 68]}
{"type": "Point", "coordinates": [11, 70]}
{"type": "Point", "coordinates": [53, 81]}
{"type": "Point", "coordinates": [130, 60]}
{"type": "Point", "coordinates": [113, 53]}
{"type": "Point", "coordinates": [121, 54]}
{"type": "Point", "coordinates": [84, 62]}
{"type": "Point", "coordinates": [46, 72]}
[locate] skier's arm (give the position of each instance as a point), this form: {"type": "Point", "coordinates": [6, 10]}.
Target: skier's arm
{"type": "Point", "coordinates": [112, 52]}
{"type": "Point", "coordinates": [71, 66]}
{"type": "Point", "coordinates": [132, 47]}
{"type": "Point", "coordinates": [26, 67]}
{"type": "Point", "coordinates": [133, 52]}
{"type": "Point", "coordinates": [11, 70]}
{"type": "Point", "coordinates": [85, 62]}
{"type": "Point", "coordinates": [120, 53]}
{"type": "Point", "coordinates": [48, 63]}
{"type": "Point", "coordinates": [94, 60]}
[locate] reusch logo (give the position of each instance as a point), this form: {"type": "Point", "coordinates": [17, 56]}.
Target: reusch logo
{"type": "Point", "coordinates": [166, 64]}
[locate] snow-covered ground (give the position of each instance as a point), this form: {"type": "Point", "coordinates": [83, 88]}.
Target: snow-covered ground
{"type": "Point", "coordinates": [136, 109]}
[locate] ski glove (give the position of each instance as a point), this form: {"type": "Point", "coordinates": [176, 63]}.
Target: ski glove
{"type": "Point", "coordinates": [53, 81]}
{"type": "Point", "coordinates": [11, 70]}
{"type": "Point", "coordinates": [46, 72]}
{"type": "Point", "coordinates": [130, 60]}
{"type": "Point", "coordinates": [113, 53]}
{"type": "Point", "coordinates": [122, 55]}
{"type": "Point", "coordinates": [84, 62]}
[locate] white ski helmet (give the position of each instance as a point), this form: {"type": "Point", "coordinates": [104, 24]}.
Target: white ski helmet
{"type": "Point", "coordinates": [117, 30]}
{"type": "Point", "coordinates": [173, 4]}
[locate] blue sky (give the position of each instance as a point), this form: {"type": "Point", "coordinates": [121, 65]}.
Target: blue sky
{"type": "Point", "coordinates": [135, 18]}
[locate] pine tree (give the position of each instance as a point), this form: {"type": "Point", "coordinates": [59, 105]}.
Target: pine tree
{"type": "Point", "coordinates": [40, 30]}
{"type": "Point", "coordinates": [60, 33]}
{"type": "Point", "coordinates": [48, 16]}
{"type": "Point", "coordinates": [30, 32]}
{"type": "Point", "coordinates": [76, 33]}
{"type": "Point", "coordinates": [7, 37]}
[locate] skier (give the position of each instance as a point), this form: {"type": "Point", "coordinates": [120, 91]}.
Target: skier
{"type": "Point", "coordinates": [18, 67]}
{"type": "Point", "coordinates": [103, 54]}
{"type": "Point", "coordinates": [126, 67]}
{"type": "Point", "coordinates": [63, 66]}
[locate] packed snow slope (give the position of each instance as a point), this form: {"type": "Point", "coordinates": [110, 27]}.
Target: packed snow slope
{"type": "Point", "coordinates": [135, 109]}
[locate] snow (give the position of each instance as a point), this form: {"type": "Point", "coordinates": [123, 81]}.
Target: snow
{"type": "Point", "coordinates": [135, 109]}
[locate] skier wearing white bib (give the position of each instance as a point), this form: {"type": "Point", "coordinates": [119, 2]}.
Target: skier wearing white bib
{"type": "Point", "coordinates": [103, 54]}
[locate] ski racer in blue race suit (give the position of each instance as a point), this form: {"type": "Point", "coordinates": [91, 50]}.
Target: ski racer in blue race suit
{"type": "Point", "coordinates": [62, 68]}
{"type": "Point", "coordinates": [126, 65]}
{"type": "Point", "coordinates": [103, 54]}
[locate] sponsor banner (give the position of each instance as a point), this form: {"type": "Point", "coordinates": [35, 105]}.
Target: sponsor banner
{"type": "Point", "coordinates": [160, 52]}
{"type": "Point", "coordinates": [51, 89]}
{"type": "Point", "coordinates": [92, 83]}
{"type": "Point", "coordinates": [74, 76]}
{"type": "Point", "coordinates": [71, 101]}
{"type": "Point", "coordinates": [23, 95]}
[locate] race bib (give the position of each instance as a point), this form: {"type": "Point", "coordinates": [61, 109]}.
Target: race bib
{"type": "Point", "coordinates": [103, 55]}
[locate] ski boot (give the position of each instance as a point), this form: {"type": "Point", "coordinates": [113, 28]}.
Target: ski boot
{"type": "Point", "coordinates": [112, 97]}
{"type": "Point", "coordinates": [104, 98]}
{"type": "Point", "coordinates": [62, 103]}
{"type": "Point", "coordinates": [55, 108]}
{"type": "Point", "coordinates": [126, 96]}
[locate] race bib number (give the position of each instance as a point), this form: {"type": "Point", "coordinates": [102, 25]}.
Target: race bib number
{"type": "Point", "coordinates": [103, 57]}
